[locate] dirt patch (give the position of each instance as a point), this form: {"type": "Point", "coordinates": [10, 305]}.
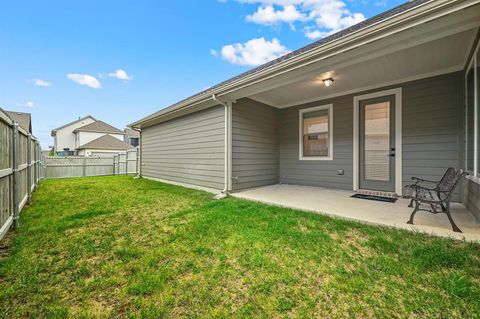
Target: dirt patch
{"type": "Point", "coordinates": [6, 244]}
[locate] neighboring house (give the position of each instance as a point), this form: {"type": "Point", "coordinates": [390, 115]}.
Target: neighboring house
{"type": "Point", "coordinates": [132, 137]}
{"type": "Point", "coordinates": [366, 108]}
{"type": "Point", "coordinates": [89, 137]}
{"type": "Point", "coordinates": [24, 120]}
{"type": "Point", "coordinates": [64, 137]}
{"type": "Point", "coordinates": [104, 146]}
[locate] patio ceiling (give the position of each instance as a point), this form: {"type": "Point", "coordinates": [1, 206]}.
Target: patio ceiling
{"type": "Point", "coordinates": [444, 55]}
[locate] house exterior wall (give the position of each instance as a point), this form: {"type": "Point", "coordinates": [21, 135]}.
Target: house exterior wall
{"type": "Point", "coordinates": [471, 197]}
{"type": "Point", "coordinates": [432, 135]}
{"type": "Point", "coordinates": [65, 138]}
{"type": "Point", "coordinates": [255, 146]}
{"type": "Point", "coordinates": [83, 138]}
{"type": "Point", "coordinates": [189, 149]}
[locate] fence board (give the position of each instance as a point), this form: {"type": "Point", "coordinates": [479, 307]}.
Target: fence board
{"type": "Point", "coordinates": [20, 170]}
{"type": "Point", "coordinates": [78, 166]}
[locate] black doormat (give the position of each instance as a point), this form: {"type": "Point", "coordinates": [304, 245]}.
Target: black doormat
{"type": "Point", "coordinates": [377, 198]}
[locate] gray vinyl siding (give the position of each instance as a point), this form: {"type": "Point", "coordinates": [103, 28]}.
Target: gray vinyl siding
{"type": "Point", "coordinates": [189, 149]}
{"type": "Point", "coordinates": [432, 127]}
{"type": "Point", "coordinates": [254, 145]}
{"type": "Point", "coordinates": [318, 173]}
{"type": "Point", "coordinates": [472, 198]}
{"type": "Point", "coordinates": [432, 135]}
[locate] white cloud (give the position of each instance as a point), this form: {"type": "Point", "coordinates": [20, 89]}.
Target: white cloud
{"type": "Point", "coordinates": [269, 16]}
{"type": "Point", "coordinates": [326, 16]}
{"type": "Point", "coordinates": [213, 52]}
{"type": "Point", "coordinates": [120, 74]}
{"type": "Point", "coordinates": [42, 83]}
{"type": "Point", "coordinates": [253, 52]}
{"type": "Point", "coordinates": [85, 79]}
{"type": "Point", "coordinates": [29, 104]}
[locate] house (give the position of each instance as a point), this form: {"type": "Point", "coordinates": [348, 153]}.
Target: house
{"type": "Point", "coordinates": [105, 146]}
{"type": "Point", "coordinates": [65, 139]}
{"type": "Point", "coordinates": [364, 109]}
{"type": "Point", "coordinates": [132, 137]}
{"type": "Point", "coordinates": [24, 120]}
{"type": "Point", "coordinates": [88, 136]}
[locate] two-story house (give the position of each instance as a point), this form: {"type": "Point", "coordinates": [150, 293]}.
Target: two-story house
{"type": "Point", "coordinates": [88, 136]}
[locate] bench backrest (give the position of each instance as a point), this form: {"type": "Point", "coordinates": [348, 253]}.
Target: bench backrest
{"type": "Point", "coordinates": [451, 179]}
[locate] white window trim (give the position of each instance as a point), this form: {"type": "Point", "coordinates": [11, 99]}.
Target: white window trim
{"type": "Point", "coordinates": [398, 136]}
{"type": "Point", "coordinates": [329, 108]}
{"type": "Point", "coordinates": [473, 63]}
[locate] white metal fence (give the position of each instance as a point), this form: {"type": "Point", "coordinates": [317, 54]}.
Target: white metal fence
{"type": "Point", "coordinates": [20, 170]}
{"type": "Point", "coordinates": [79, 166]}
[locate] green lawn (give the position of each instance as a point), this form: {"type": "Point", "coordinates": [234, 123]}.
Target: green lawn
{"type": "Point", "coordinates": [124, 248]}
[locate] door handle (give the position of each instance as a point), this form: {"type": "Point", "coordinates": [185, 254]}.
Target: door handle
{"type": "Point", "coordinates": [391, 154]}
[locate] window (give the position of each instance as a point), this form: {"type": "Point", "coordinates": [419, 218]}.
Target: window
{"type": "Point", "coordinates": [478, 110]}
{"type": "Point", "coordinates": [470, 122]}
{"type": "Point", "coordinates": [134, 141]}
{"type": "Point", "coordinates": [472, 114]}
{"type": "Point", "coordinates": [316, 133]}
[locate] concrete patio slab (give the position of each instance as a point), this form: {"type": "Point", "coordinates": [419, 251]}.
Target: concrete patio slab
{"type": "Point", "coordinates": [338, 203]}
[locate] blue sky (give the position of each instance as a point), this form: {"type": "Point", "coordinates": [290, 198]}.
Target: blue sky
{"type": "Point", "coordinates": [122, 60]}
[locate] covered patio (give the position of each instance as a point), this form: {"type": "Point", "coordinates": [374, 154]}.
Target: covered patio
{"type": "Point", "coordinates": [338, 203]}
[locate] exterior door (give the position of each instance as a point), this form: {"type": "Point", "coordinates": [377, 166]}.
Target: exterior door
{"type": "Point", "coordinates": [377, 144]}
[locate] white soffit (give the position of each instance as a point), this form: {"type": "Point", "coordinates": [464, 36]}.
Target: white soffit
{"type": "Point", "coordinates": [440, 56]}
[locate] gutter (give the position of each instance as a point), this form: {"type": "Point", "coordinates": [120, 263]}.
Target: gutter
{"type": "Point", "coordinates": [228, 143]}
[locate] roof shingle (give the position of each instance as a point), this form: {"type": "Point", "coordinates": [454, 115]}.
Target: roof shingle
{"type": "Point", "coordinates": [23, 119]}
{"type": "Point", "coordinates": [106, 142]}
{"type": "Point", "coordinates": [99, 126]}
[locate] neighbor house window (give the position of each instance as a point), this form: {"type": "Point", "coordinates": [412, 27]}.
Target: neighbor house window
{"type": "Point", "coordinates": [472, 113]}
{"type": "Point", "coordinates": [134, 141]}
{"type": "Point", "coordinates": [316, 133]}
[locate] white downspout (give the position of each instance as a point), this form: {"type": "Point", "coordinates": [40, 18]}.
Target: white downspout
{"type": "Point", "coordinates": [228, 143]}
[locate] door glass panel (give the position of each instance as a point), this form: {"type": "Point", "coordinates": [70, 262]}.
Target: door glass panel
{"type": "Point", "coordinates": [377, 141]}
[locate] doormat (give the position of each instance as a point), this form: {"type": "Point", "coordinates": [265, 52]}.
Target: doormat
{"type": "Point", "coordinates": [377, 198]}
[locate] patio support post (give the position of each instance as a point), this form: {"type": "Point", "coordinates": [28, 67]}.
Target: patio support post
{"type": "Point", "coordinates": [16, 177]}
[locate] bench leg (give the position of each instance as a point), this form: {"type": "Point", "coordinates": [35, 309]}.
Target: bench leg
{"type": "Point", "coordinates": [454, 226]}
{"type": "Point", "coordinates": [417, 206]}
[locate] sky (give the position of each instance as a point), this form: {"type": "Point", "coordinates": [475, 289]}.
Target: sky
{"type": "Point", "coordinates": [122, 60]}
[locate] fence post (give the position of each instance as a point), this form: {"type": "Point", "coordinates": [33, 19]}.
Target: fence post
{"type": "Point", "coordinates": [16, 182]}
{"type": "Point", "coordinates": [84, 166]}
{"type": "Point", "coordinates": [29, 168]}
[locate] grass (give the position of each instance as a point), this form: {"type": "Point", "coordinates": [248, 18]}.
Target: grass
{"type": "Point", "coordinates": [124, 248]}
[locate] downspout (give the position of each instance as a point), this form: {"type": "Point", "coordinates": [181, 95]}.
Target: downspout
{"type": "Point", "coordinates": [228, 143]}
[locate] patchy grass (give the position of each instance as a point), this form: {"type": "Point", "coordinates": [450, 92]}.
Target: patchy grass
{"type": "Point", "coordinates": [124, 248]}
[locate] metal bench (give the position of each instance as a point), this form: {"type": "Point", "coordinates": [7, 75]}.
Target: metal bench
{"type": "Point", "coordinates": [435, 195]}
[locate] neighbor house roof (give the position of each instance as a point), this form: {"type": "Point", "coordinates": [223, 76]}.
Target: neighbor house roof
{"type": "Point", "coordinates": [23, 119]}
{"type": "Point", "coordinates": [54, 131]}
{"type": "Point", "coordinates": [99, 126]}
{"type": "Point", "coordinates": [287, 58]}
{"type": "Point", "coordinates": [106, 142]}
{"type": "Point", "coordinates": [132, 133]}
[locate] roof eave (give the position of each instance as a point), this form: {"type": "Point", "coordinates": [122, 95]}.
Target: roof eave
{"type": "Point", "coordinates": [396, 23]}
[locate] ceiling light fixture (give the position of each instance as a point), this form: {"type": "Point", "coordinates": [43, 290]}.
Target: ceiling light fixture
{"type": "Point", "coordinates": [328, 82]}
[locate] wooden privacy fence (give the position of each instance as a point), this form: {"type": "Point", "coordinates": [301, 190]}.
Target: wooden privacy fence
{"type": "Point", "coordinates": [125, 163]}
{"type": "Point", "coordinates": [20, 170]}
{"type": "Point", "coordinates": [79, 166]}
